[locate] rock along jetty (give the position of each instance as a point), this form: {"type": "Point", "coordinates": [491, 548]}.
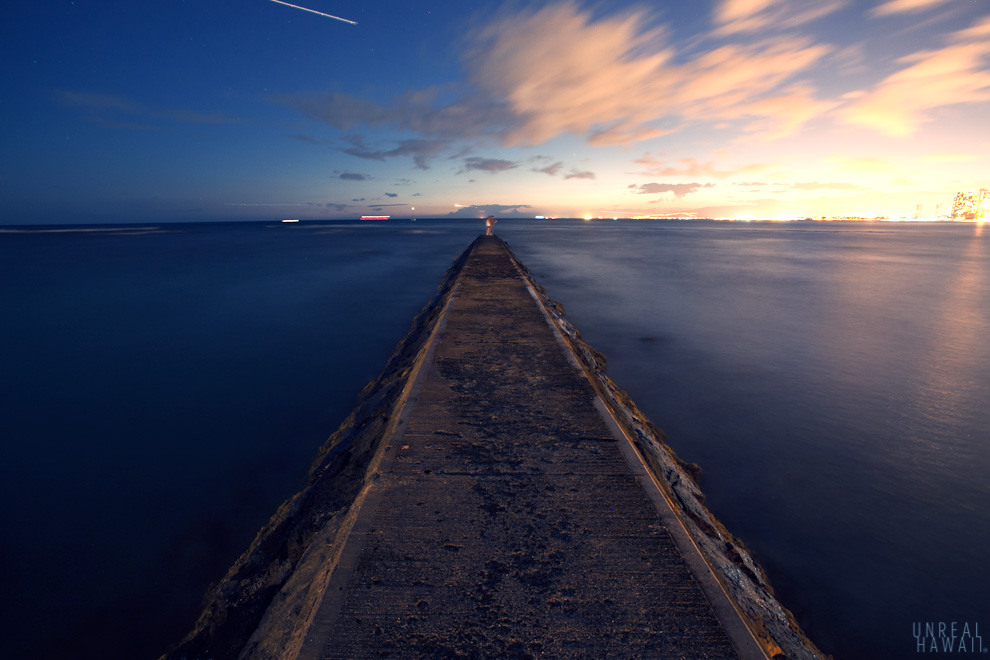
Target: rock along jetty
{"type": "Point", "coordinates": [495, 495]}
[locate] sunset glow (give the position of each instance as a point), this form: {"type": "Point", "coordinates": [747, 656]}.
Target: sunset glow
{"type": "Point", "coordinates": [747, 109]}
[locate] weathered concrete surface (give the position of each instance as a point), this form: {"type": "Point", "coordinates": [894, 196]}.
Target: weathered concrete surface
{"type": "Point", "coordinates": [506, 522]}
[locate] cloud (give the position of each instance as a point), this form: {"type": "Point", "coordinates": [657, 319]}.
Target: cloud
{"type": "Point", "coordinates": [308, 139]}
{"type": "Point", "coordinates": [903, 6]}
{"type": "Point", "coordinates": [388, 194]}
{"type": "Point", "coordinates": [354, 176]}
{"type": "Point", "coordinates": [826, 186]}
{"type": "Point", "coordinates": [498, 210]}
{"type": "Point", "coordinates": [729, 11]}
{"type": "Point", "coordinates": [694, 168]}
{"type": "Point", "coordinates": [554, 168]}
{"type": "Point", "coordinates": [929, 79]}
{"type": "Point", "coordinates": [539, 73]}
{"type": "Point", "coordinates": [622, 134]}
{"type": "Point", "coordinates": [862, 164]}
{"type": "Point", "coordinates": [616, 81]}
{"type": "Point", "coordinates": [784, 114]}
{"type": "Point", "coordinates": [417, 111]}
{"type": "Point", "coordinates": [102, 105]}
{"type": "Point", "coordinates": [979, 31]}
{"type": "Point", "coordinates": [422, 151]}
{"type": "Point", "coordinates": [735, 16]}
{"type": "Point", "coordinates": [679, 189]}
{"type": "Point", "coordinates": [850, 60]}
{"type": "Point", "coordinates": [559, 72]}
{"type": "Point", "coordinates": [550, 169]}
{"type": "Point", "coordinates": [490, 165]}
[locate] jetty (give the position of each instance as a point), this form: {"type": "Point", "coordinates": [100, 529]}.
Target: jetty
{"type": "Point", "coordinates": [495, 497]}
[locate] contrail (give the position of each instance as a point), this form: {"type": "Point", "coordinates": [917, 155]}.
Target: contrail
{"type": "Point", "coordinates": [313, 11]}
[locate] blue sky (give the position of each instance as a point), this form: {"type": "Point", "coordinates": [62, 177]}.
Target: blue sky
{"type": "Point", "coordinates": [248, 109]}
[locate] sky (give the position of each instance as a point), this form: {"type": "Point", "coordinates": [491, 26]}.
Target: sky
{"type": "Point", "coordinates": [193, 110]}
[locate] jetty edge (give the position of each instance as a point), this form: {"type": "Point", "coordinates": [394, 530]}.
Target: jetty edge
{"type": "Point", "coordinates": [263, 607]}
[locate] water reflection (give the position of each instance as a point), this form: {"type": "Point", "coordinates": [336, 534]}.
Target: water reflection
{"type": "Point", "coordinates": [946, 389]}
{"type": "Point", "coordinates": [828, 380]}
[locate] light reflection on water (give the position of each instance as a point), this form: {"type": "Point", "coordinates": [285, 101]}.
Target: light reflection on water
{"type": "Point", "coordinates": [831, 381]}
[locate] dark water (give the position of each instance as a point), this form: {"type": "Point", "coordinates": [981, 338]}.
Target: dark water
{"type": "Point", "coordinates": [832, 381]}
{"type": "Point", "coordinates": [165, 390]}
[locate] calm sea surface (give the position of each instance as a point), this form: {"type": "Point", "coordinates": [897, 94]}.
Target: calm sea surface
{"type": "Point", "coordinates": [165, 387]}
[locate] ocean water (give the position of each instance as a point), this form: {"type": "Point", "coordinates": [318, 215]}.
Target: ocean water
{"type": "Point", "coordinates": [165, 387]}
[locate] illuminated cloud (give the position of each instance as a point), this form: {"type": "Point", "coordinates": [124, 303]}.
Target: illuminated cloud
{"type": "Point", "coordinates": [560, 72]}
{"type": "Point", "coordinates": [735, 16]}
{"type": "Point", "coordinates": [729, 11]}
{"type": "Point", "coordinates": [862, 165]}
{"type": "Point", "coordinates": [621, 134]}
{"type": "Point", "coordinates": [902, 6]}
{"type": "Point", "coordinates": [784, 114]}
{"type": "Point", "coordinates": [955, 74]}
{"type": "Point", "coordinates": [694, 168]}
{"type": "Point", "coordinates": [740, 81]}
{"type": "Point", "coordinates": [498, 210]}
{"type": "Point", "coordinates": [615, 81]}
{"type": "Point", "coordinates": [563, 71]}
{"type": "Point", "coordinates": [826, 186]}
{"type": "Point", "coordinates": [980, 31]}
{"type": "Point", "coordinates": [679, 189]}
{"type": "Point", "coordinates": [612, 81]}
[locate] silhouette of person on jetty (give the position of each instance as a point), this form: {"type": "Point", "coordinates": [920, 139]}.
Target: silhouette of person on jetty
{"type": "Point", "coordinates": [489, 223]}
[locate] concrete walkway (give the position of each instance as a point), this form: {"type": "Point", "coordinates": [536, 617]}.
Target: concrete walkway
{"type": "Point", "coordinates": [506, 522]}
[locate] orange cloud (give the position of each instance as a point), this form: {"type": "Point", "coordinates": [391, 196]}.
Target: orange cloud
{"type": "Point", "coordinates": [736, 16]}
{"type": "Point", "coordinates": [679, 189]}
{"type": "Point", "coordinates": [930, 79]}
{"type": "Point", "coordinates": [862, 165]}
{"type": "Point", "coordinates": [613, 81]}
{"type": "Point", "coordinates": [784, 114]}
{"type": "Point", "coordinates": [693, 168]}
{"type": "Point", "coordinates": [562, 73]}
{"type": "Point", "coordinates": [733, 11]}
{"type": "Point", "coordinates": [902, 6]}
